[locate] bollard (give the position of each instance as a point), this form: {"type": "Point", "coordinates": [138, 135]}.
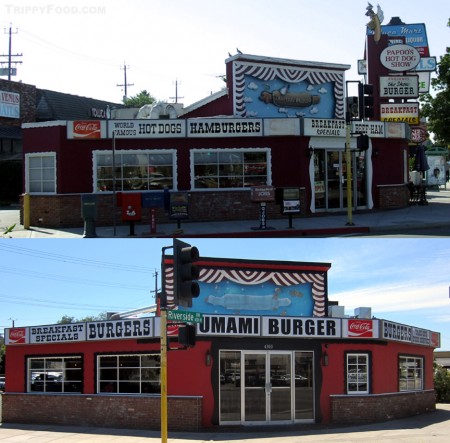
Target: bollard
{"type": "Point", "coordinates": [89, 228]}
{"type": "Point", "coordinates": [26, 211]}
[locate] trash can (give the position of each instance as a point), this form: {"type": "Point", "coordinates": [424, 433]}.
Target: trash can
{"type": "Point", "coordinates": [89, 214]}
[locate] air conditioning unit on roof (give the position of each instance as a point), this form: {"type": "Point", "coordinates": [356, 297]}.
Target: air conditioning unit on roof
{"type": "Point", "coordinates": [363, 312]}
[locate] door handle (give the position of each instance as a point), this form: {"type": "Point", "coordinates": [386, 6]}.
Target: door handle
{"type": "Point", "coordinates": [268, 388]}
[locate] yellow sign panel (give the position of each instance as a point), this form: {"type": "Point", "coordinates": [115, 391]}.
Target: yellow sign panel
{"type": "Point", "coordinates": [400, 112]}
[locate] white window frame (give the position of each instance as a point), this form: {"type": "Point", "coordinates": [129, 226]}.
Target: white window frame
{"type": "Point", "coordinates": [47, 373]}
{"type": "Point", "coordinates": [28, 157]}
{"type": "Point", "coordinates": [172, 152]}
{"type": "Point", "coordinates": [354, 377]}
{"type": "Point", "coordinates": [414, 373]}
{"type": "Point", "coordinates": [266, 150]}
{"type": "Point", "coordinates": [117, 380]}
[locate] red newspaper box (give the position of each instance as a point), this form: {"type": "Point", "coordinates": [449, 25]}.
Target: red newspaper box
{"type": "Point", "coordinates": [131, 207]}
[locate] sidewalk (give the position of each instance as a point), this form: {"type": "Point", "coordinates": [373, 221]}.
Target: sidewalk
{"type": "Point", "coordinates": [431, 427]}
{"type": "Point", "coordinates": [435, 214]}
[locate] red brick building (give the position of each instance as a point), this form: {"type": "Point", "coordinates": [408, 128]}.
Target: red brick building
{"type": "Point", "coordinates": [271, 349]}
{"type": "Point", "coordinates": [279, 123]}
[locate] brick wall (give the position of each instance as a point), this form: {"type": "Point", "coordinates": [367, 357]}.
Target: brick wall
{"type": "Point", "coordinates": [393, 196]}
{"type": "Point", "coordinates": [132, 412]}
{"type": "Point", "coordinates": [60, 211]}
{"type": "Point", "coordinates": [372, 408]}
{"type": "Point", "coordinates": [27, 102]}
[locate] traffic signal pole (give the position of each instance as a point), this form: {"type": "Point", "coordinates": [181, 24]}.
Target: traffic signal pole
{"type": "Point", "coordinates": [163, 334]}
{"type": "Point", "coordinates": [185, 272]}
{"type": "Point", "coordinates": [348, 160]}
{"type": "Point", "coordinates": [163, 345]}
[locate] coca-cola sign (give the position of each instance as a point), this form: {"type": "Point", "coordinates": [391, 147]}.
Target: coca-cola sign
{"type": "Point", "coordinates": [86, 129]}
{"type": "Point", "coordinates": [360, 328]}
{"type": "Point", "coordinates": [17, 336]}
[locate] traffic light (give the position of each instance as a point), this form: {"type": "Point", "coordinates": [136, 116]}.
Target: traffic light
{"type": "Point", "coordinates": [362, 142]}
{"type": "Point", "coordinates": [352, 109]}
{"type": "Point", "coordinates": [366, 102]}
{"type": "Point", "coordinates": [185, 273]}
{"type": "Point", "coordinates": [186, 335]}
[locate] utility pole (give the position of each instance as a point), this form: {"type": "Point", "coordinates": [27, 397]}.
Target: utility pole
{"type": "Point", "coordinates": [125, 84]}
{"type": "Point", "coordinates": [10, 55]}
{"type": "Point", "coordinates": [176, 92]}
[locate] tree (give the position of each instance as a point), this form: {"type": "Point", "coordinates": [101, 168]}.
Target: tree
{"type": "Point", "coordinates": [441, 383]}
{"type": "Point", "coordinates": [139, 100]}
{"type": "Point", "coordinates": [69, 319]}
{"type": "Point", "coordinates": [437, 109]}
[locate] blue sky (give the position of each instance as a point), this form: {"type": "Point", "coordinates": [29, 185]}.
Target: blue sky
{"type": "Point", "coordinates": [79, 47]}
{"type": "Point", "coordinates": [404, 280]}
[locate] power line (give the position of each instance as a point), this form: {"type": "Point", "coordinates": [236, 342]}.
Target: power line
{"type": "Point", "coordinates": [17, 300]}
{"type": "Point", "coordinates": [74, 260]}
{"type": "Point", "coordinates": [66, 279]}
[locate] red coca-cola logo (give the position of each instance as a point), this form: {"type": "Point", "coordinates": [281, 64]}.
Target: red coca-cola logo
{"type": "Point", "coordinates": [86, 129]}
{"type": "Point", "coordinates": [172, 330]}
{"type": "Point", "coordinates": [360, 328]}
{"type": "Point", "coordinates": [17, 335]}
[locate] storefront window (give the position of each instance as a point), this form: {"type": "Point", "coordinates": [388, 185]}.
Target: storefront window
{"type": "Point", "coordinates": [128, 374]}
{"type": "Point", "coordinates": [40, 173]}
{"type": "Point", "coordinates": [230, 386]}
{"type": "Point", "coordinates": [134, 170]}
{"type": "Point", "coordinates": [230, 168]}
{"type": "Point", "coordinates": [357, 373]}
{"type": "Point", "coordinates": [55, 374]}
{"type": "Point", "coordinates": [410, 373]}
{"type": "Point", "coordinates": [304, 386]}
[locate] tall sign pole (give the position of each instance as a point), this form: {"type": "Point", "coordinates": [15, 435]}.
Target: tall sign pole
{"type": "Point", "coordinates": [163, 322]}
{"type": "Point", "coordinates": [348, 160]}
{"type": "Point", "coordinates": [163, 335]}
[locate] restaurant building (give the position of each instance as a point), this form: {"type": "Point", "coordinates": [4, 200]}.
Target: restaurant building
{"type": "Point", "coordinates": [279, 124]}
{"type": "Point", "coordinates": [271, 348]}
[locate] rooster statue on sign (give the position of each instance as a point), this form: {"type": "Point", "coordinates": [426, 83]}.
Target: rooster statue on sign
{"type": "Point", "coordinates": [375, 21]}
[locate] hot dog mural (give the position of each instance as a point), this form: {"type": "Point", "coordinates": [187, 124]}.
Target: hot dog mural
{"type": "Point", "coordinates": [267, 89]}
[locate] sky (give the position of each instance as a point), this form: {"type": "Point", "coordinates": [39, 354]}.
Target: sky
{"type": "Point", "coordinates": [403, 280]}
{"type": "Point", "coordinates": [81, 47]}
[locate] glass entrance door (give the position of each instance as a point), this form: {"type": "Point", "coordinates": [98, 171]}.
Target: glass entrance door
{"type": "Point", "coordinates": [266, 387]}
{"type": "Point", "coordinates": [330, 180]}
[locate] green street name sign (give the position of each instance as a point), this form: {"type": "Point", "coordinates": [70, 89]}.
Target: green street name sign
{"type": "Point", "coordinates": [185, 316]}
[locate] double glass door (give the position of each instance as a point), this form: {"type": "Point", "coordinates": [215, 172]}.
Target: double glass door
{"type": "Point", "coordinates": [266, 387]}
{"type": "Point", "coordinates": [330, 179]}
